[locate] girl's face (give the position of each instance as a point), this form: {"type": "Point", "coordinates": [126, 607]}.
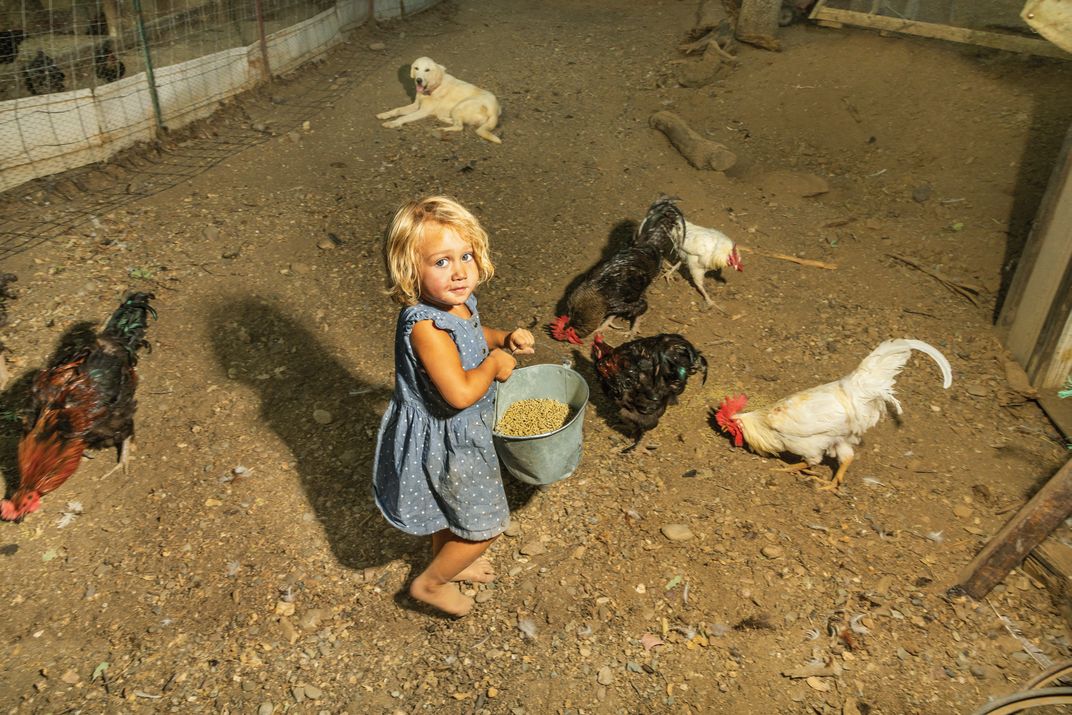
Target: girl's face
{"type": "Point", "coordinates": [447, 268]}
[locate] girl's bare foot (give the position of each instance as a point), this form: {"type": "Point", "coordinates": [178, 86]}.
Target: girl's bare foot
{"type": "Point", "coordinates": [480, 571]}
{"type": "Point", "coordinates": [446, 596]}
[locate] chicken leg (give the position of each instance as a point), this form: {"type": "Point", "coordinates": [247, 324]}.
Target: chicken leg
{"type": "Point", "coordinates": [839, 476]}
{"type": "Point", "coordinates": [124, 453]}
{"type": "Point", "coordinates": [798, 468]}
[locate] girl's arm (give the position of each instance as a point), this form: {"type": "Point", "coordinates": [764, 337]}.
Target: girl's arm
{"type": "Point", "coordinates": [517, 341]}
{"type": "Point", "coordinates": [439, 355]}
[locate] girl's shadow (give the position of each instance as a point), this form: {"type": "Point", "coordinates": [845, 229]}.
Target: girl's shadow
{"type": "Point", "coordinates": [294, 375]}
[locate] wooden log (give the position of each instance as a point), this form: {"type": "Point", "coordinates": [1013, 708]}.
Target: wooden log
{"type": "Point", "coordinates": [1026, 530]}
{"type": "Point", "coordinates": [700, 152]}
{"type": "Point", "coordinates": [758, 18]}
{"type": "Point", "coordinates": [710, 14]}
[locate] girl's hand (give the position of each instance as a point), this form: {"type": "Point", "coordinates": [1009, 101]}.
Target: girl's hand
{"type": "Point", "coordinates": [520, 342]}
{"type": "Point", "coordinates": [504, 363]}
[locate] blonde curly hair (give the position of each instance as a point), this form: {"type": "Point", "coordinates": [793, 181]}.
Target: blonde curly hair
{"type": "Point", "coordinates": [408, 229]}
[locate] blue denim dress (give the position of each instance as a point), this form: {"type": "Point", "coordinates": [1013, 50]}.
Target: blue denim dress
{"type": "Point", "coordinates": [435, 466]}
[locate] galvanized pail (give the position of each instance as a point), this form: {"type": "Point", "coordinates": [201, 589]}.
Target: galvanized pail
{"type": "Point", "coordinates": [549, 457]}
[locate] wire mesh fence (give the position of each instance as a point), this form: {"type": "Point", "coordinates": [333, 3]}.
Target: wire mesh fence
{"type": "Point", "coordinates": [81, 80]}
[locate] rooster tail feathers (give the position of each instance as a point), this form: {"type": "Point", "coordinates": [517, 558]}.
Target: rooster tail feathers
{"type": "Point", "coordinates": [877, 371]}
{"type": "Point", "coordinates": [937, 356]}
{"type": "Point", "coordinates": [663, 226]}
{"type": "Point", "coordinates": [129, 322]}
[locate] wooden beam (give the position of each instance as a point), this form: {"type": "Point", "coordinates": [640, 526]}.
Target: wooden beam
{"type": "Point", "coordinates": [1026, 530]}
{"type": "Point", "coordinates": [997, 40]}
{"type": "Point", "coordinates": [1035, 313]}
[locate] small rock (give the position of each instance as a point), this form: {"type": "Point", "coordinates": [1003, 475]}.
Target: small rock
{"type": "Point", "coordinates": [605, 676]}
{"type": "Point", "coordinates": [677, 532]}
{"type": "Point", "coordinates": [266, 708]}
{"type": "Point", "coordinates": [376, 46]}
{"type": "Point", "coordinates": [211, 233]}
{"type": "Point", "coordinates": [312, 692]}
{"type": "Point", "coordinates": [300, 268]}
{"type": "Point", "coordinates": [772, 551]}
{"type": "Point", "coordinates": [289, 631]}
{"type": "Point", "coordinates": [962, 510]}
{"type": "Point", "coordinates": [533, 548]}
{"type": "Point", "coordinates": [322, 417]}
{"type": "Point", "coordinates": [921, 193]}
{"type": "Point", "coordinates": [325, 244]}
{"type": "Point", "coordinates": [485, 596]}
{"type": "Point", "coordinates": [71, 677]}
{"type": "Point", "coordinates": [976, 390]}
{"type": "Point", "coordinates": [817, 683]}
{"type": "Point", "coordinates": [298, 693]}
{"type": "Point", "coordinates": [284, 608]}
{"type": "Point", "coordinates": [310, 620]}
{"type": "Point", "coordinates": [513, 529]}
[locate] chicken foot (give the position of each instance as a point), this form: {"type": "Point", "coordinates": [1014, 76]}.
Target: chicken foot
{"type": "Point", "coordinates": [839, 476]}
{"type": "Point", "coordinates": [797, 468]}
{"type": "Point", "coordinates": [124, 453]}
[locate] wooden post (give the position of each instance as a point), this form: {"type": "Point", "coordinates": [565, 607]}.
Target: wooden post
{"type": "Point", "coordinates": [1036, 315]}
{"type": "Point", "coordinates": [758, 17]}
{"type": "Point", "coordinates": [1026, 530]}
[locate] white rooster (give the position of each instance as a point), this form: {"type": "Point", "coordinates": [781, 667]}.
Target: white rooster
{"type": "Point", "coordinates": [830, 419]}
{"type": "Point", "coordinates": [705, 249]}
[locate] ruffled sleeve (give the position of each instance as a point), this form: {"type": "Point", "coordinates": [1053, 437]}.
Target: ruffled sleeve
{"type": "Point", "coordinates": [416, 313]}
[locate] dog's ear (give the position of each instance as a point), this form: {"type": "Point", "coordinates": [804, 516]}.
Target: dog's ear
{"type": "Point", "coordinates": [413, 71]}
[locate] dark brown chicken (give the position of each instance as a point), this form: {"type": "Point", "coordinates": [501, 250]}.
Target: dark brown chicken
{"type": "Point", "coordinates": [616, 286]}
{"type": "Point", "coordinates": [84, 399]}
{"type": "Point", "coordinates": [646, 375]}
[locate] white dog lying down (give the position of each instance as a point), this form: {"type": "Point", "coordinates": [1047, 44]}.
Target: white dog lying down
{"type": "Point", "coordinates": [448, 99]}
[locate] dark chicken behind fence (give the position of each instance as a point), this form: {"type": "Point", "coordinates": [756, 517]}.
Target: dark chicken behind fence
{"type": "Point", "coordinates": [85, 398]}
{"type": "Point", "coordinates": [616, 286]}
{"type": "Point", "coordinates": [644, 376]}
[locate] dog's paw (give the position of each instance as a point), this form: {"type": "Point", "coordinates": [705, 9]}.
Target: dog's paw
{"type": "Point", "coordinates": [383, 115]}
{"type": "Point", "coordinates": [391, 125]}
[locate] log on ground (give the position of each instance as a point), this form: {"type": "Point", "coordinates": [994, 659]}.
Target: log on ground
{"type": "Point", "coordinates": [701, 153]}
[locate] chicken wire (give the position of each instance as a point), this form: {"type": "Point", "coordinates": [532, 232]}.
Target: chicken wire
{"type": "Point", "coordinates": [82, 79]}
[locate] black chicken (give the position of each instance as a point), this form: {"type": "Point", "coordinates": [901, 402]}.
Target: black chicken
{"type": "Point", "coordinates": [106, 64]}
{"type": "Point", "coordinates": [9, 45]}
{"type": "Point", "coordinates": [646, 375]}
{"type": "Point", "coordinates": [616, 286]}
{"type": "Point", "coordinates": [85, 399]}
{"type": "Point", "coordinates": [42, 76]}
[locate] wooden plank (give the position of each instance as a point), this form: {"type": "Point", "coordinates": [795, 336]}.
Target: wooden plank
{"type": "Point", "coordinates": [1026, 530]}
{"type": "Point", "coordinates": [1059, 411]}
{"type": "Point", "coordinates": [1041, 284]}
{"type": "Point", "coordinates": [997, 40]}
{"type": "Point", "coordinates": [1051, 563]}
{"type": "Point", "coordinates": [1052, 19]}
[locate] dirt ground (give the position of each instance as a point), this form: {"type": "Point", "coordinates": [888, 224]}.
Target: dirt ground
{"type": "Point", "coordinates": [241, 567]}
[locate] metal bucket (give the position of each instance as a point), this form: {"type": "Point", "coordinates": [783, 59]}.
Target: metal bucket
{"type": "Point", "coordinates": [549, 457]}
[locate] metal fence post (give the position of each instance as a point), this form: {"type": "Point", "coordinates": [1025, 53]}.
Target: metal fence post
{"type": "Point", "coordinates": [140, 17]}
{"type": "Point", "coordinates": [263, 39]}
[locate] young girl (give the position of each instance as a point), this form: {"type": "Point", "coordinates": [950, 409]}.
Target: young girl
{"type": "Point", "coordinates": [435, 470]}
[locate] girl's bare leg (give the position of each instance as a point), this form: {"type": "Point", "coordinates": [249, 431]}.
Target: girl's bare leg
{"type": "Point", "coordinates": [480, 570]}
{"type": "Point", "coordinates": [435, 586]}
